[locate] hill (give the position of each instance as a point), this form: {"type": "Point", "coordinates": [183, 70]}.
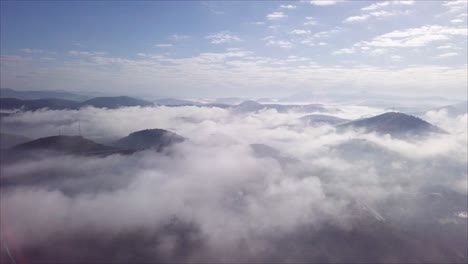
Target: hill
{"type": "Point", "coordinates": [115, 102]}
{"type": "Point", "coordinates": [66, 144]}
{"type": "Point", "coordinates": [156, 139]}
{"type": "Point", "coordinates": [313, 120]}
{"type": "Point", "coordinates": [395, 124]}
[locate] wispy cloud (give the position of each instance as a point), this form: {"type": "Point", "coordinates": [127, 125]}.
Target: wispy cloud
{"type": "Point", "coordinates": [448, 54]}
{"type": "Point", "coordinates": [164, 45]}
{"type": "Point", "coordinates": [85, 53]}
{"type": "Point", "coordinates": [223, 37]}
{"type": "Point", "coordinates": [177, 37]}
{"type": "Point", "coordinates": [28, 50]}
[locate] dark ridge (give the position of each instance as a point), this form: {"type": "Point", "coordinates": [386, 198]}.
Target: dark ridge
{"type": "Point", "coordinates": [33, 105]}
{"type": "Point", "coordinates": [66, 144]}
{"type": "Point", "coordinates": [115, 102]}
{"type": "Point", "coordinates": [10, 140]}
{"type": "Point", "coordinates": [312, 120]}
{"type": "Point", "coordinates": [395, 124]}
{"type": "Point", "coordinates": [33, 95]}
{"type": "Point", "coordinates": [252, 106]}
{"type": "Point", "coordinates": [156, 139]}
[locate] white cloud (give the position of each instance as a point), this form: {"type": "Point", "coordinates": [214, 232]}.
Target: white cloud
{"type": "Point", "coordinates": [223, 37]}
{"type": "Point", "coordinates": [457, 21]}
{"type": "Point", "coordinates": [375, 6]}
{"type": "Point", "coordinates": [396, 58]}
{"type": "Point", "coordinates": [380, 5]}
{"type": "Point", "coordinates": [300, 32]}
{"type": "Point", "coordinates": [376, 14]}
{"type": "Point", "coordinates": [353, 19]}
{"type": "Point", "coordinates": [279, 43]}
{"type": "Point", "coordinates": [276, 16]}
{"type": "Point", "coordinates": [448, 54]}
{"type": "Point", "coordinates": [344, 51]}
{"type": "Point", "coordinates": [288, 6]}
{"type": "Point", "coordinates": [414, 37]}
{"type": "Point", "coordinates": [456, 6]}
{"type": "Point", "coordinates": [310, 21]}
{"type": "Point", "coordinates": [163, 45]}
{"type": "Point", "coordinates": [323, 2]}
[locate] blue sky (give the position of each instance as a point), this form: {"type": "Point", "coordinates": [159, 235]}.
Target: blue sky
{"type": "Point", "coordinates": [235, 48]}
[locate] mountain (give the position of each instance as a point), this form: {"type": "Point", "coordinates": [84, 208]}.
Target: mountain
{"type": "Point", "coordinates": [395, 124]}
{"type": "Point", "coordinates": [455, 109]}
{"type": "Point", "coordinates": [156, 139]}
{"type": "Point", "coordinates": [66, 144]}
{"type": "Point", "coordinates": [175, 102]}
{"type": "Point", "coordinates": [115, 102]}
{"type": "Point", "coordinates": [252, 106]}
{"type": "Point", "coordinates": [31, 95]}
{"type": "Point", "coordinates": [314, 120]}
{"type": "Point", "coordinates": [10, 140]}
{"type": "Point", "coordinates": [33, 105]}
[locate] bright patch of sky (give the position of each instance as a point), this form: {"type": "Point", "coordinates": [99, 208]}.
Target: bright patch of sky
{"type": "Point", "coordinates": [260, 48]}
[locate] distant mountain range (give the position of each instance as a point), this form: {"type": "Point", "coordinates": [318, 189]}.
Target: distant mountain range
{"type": "Point", "coordinates": [395, 124]}
{"type": "Point", "coordinates": [60, 104]}
{"type": "Point", "coordinates": [252, 106]}
{"type": "Point", "coordinates": [32, 95]}
{"type": "Point", "coordinates": [455, 109]}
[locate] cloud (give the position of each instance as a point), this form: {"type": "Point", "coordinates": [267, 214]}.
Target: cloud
{"type": "Point", "coordinates": [414, 37]}
{"type": "Point", "coordinates": [300, 32]}
{"type": "Point", "coordinates": [223, 37]}
{"type": "Point", "coordinates": [177, 37]}
{"type": "Point", "coordinates": [456, 6]}
{"type": "Point", "coordinates": [164, 45]}
{"type": "Point", "coordinates": [271, 41]}
{"type": "Point", "coordinates": [344, 51]}
{"type": "Point", "coordinates": [310, 21]}
{"type": "Point", "coordinates": [276, 16]}
{"type": "Point", "coordinates": [85, 53]}
{"type": "Point", "coordinates": [158, 207]}
{"type": "Point", "coordinates": [448, 54]}
{"type": "Point", "coordinates": [288, 6]}
{"type": "Point", "coordinates": [456, 21]}
{"type": "Point", "coordinates": [352, 19]}
{"type": "Point", "coordinates": [380, 5]}
{"type": "Point", "coordinates": [323, 2]}
{"type": "Point", "coordinates": [28, 50]}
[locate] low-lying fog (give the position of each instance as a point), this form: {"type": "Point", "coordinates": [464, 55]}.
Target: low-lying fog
{"type": "Point", "coordinates": [312, 194]}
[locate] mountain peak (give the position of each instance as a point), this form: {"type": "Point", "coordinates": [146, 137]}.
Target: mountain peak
{"type": "Point", "coordinates": [149, 139]}
{"type": "Point", "coordinates": [394, 123]}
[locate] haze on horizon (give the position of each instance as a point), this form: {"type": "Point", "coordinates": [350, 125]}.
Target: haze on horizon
{"type": "Point", "coordinates": [235, 48]}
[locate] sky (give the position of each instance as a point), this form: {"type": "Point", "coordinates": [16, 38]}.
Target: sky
{"type": "Point", "coordinates": [236, 48]}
